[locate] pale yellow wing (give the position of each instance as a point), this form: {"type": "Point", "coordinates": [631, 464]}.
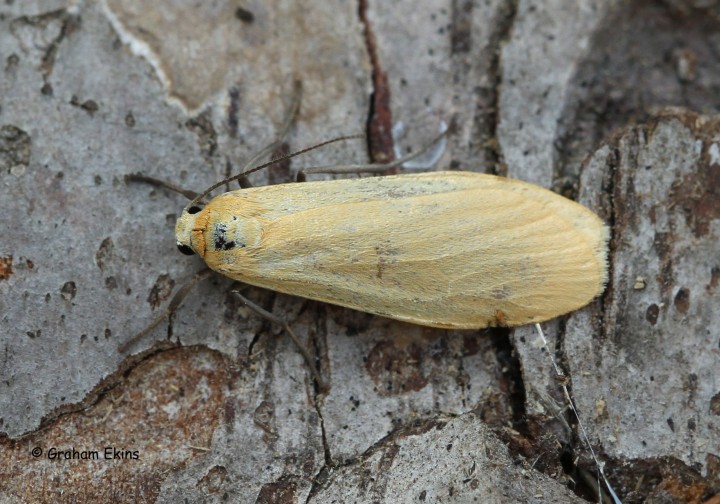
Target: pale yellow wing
{"type": "Point", "coordinates": [444, 249]}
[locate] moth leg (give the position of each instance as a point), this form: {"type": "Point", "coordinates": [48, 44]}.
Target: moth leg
{"type": "Point", "coordinates": [309, 360]}
{"type": "Point", "coordinates": [169, 312]}
{"type": "Point", "coordinates": [280, 137]}
{"type": "Point", "coordinates": [368, 168]}
{"type": "Point", "coordinates": [137, 177]}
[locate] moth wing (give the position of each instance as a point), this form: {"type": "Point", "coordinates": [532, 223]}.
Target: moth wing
{"type": "Point", "coordinates": [445, 249]}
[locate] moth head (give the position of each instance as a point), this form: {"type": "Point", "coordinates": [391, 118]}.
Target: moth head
{"type": "Point", "coordinates": [186, 239]}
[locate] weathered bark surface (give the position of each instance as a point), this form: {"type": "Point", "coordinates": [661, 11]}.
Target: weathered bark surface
{"type": "Point", "coordinates": [563, 94]}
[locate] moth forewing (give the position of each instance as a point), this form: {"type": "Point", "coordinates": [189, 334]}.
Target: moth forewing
{"type": "Point", "coordinates": [443, 249]}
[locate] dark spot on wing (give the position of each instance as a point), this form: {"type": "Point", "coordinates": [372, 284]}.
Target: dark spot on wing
{"type": "Point", "coordinates": [221, 241]}
{"type": "Point", "coordinates": [219, 235]}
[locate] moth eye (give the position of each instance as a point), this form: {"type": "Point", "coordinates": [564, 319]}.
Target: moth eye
{"type": "Point", "coordinates": [185, 249]}
{"type": "Point", "coordinates": [194, 209]}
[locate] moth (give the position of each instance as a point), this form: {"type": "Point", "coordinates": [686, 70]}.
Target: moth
{"type": "Point", "coordinates": [448, 249]}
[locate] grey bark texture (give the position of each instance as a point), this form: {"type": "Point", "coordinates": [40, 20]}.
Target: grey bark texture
{"type": "Point", "coordinates": [609, 103]}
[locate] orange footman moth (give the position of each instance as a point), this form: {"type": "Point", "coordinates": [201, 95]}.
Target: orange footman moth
{"type": "Point", "coordinates": [446, 249]}
{"type": "Point", "coordinates": [457, 250]}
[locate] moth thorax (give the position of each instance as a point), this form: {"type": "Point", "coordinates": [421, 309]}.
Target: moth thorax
{"type": "Point", "coordinates": [231, 232]}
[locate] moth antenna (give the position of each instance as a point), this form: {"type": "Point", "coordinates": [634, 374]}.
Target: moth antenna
{"type": "Point", "coordinates": [197, 199]}
{"type": "Point", "coordinates": [376, 167]}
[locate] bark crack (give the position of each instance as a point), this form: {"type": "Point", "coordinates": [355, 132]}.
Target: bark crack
{"type": "Point", "coordinates": [379, 120]}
